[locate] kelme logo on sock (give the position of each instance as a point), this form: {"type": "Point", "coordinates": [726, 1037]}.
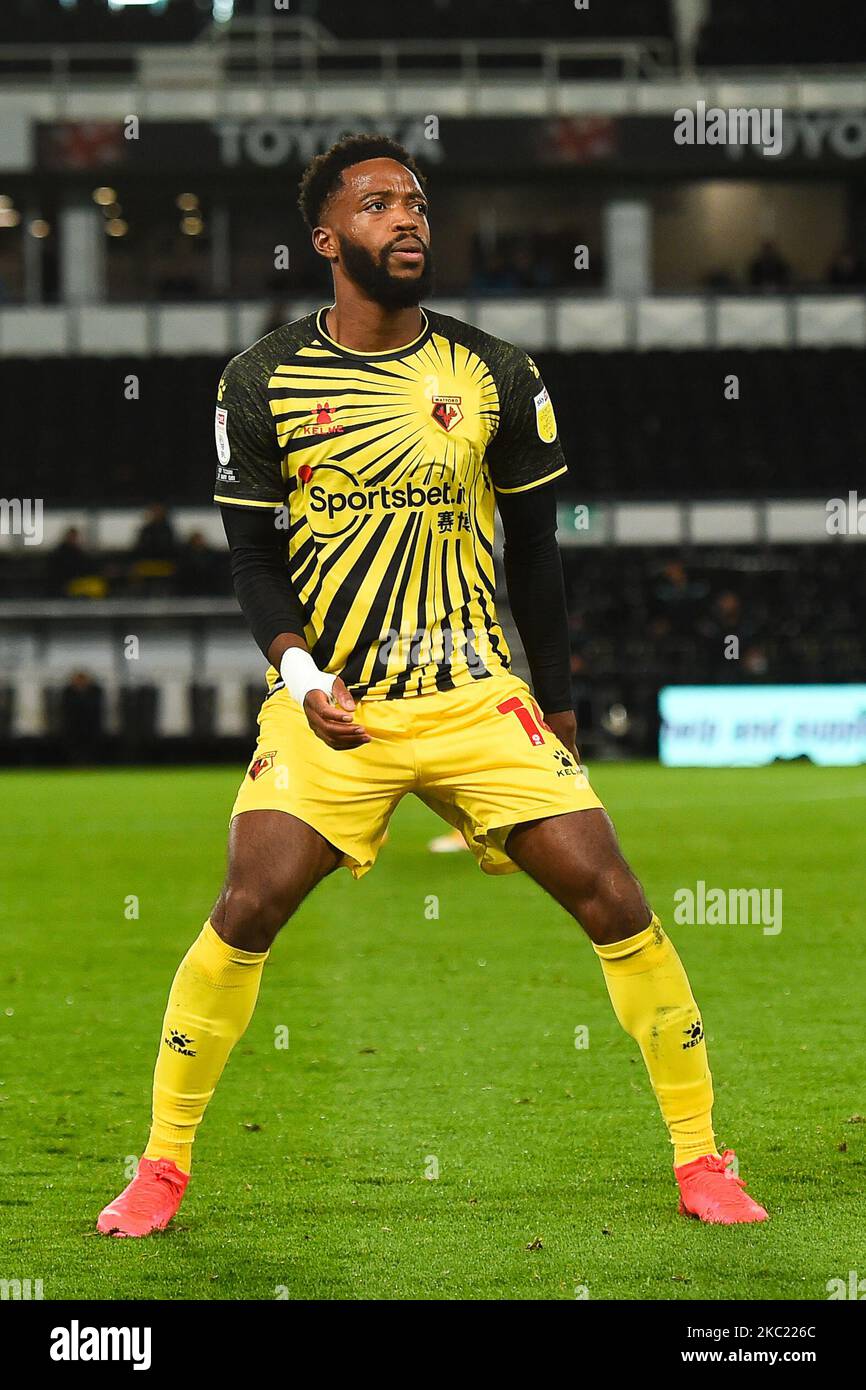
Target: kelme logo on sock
{"type": "Point", "coordinates": [179, 1042]}
{"type": "Point", "coordinates": [694, 1033]}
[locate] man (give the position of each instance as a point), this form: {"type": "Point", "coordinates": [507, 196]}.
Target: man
{"type": "Point", "coordinates": [361, 450]}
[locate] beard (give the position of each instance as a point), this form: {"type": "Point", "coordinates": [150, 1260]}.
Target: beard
{"type": "Point", "coordinates": [371, 274]}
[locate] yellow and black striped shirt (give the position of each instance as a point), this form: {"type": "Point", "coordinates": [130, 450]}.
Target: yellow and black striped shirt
{"type": "Point", "coordinates": [382, 468]}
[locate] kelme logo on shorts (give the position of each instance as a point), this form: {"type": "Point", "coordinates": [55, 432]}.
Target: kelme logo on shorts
{"type": "Point", "coordinates": [566, 765]}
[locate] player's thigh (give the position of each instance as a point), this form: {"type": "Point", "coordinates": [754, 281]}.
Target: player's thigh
{"type": "Point", "coordinates": [576, 858]}
{"type": "Point", "coordinates": [274, 861]}
{"type": "Point", "coordinates": [346, 795]}
{"type": "Point", "coordinates": [490, 762]}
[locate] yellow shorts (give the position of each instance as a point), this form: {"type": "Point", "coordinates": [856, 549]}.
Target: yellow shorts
{"type": "Point", "coordinates": [479, 755]}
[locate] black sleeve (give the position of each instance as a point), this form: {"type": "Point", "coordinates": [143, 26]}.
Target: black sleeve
{"type": "Point", "coordinates": [249, 468]}
{"type": "Point", "coordinates": [261, 579]}
{"type": "Point", "coordinates": [525, 451]}
{"type": "Point", "coordinates": [536, 591]}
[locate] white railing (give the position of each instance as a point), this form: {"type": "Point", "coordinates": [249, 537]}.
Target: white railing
{"type": "Point", "coordinates": [266, 51]}
{"type": "Point", "coordinates": [565, 323]}
{"type": "Point", "coordinates": [672, 521]}
{"type": "Point", "coordinates": [206, 81]}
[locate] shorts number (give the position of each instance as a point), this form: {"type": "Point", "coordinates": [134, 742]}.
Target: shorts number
{"type": "Point", "coordinates": [514, 705]}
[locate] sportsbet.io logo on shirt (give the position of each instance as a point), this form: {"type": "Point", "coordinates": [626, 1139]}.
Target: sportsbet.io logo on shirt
{"type": "Point", "coordinates": [381, 469]}
{"type": "Point", "coordinates": [336, 501]}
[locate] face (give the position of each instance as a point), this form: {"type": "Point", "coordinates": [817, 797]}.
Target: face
{"type": "Point", "coordinates": [375, 229]}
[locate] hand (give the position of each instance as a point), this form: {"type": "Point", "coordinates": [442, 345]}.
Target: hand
{"type": "Point", "coordinates": [564, 725]}
{"type": "Point", "coordinates": [329, 717]}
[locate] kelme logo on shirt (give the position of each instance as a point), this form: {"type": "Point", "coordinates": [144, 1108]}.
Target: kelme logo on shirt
{"type": "Point", "coordinates": [336, 499]}
{"type": "Point", "coordinates": [323, 420]}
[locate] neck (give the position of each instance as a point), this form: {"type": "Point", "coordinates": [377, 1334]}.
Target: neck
{"type": "Point", "coordinates": [359, 323]}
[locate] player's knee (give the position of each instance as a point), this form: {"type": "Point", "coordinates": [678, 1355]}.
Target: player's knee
{"type": "Point", "coordinates": [612, 906]}
{"type": "Point", "coordinates": [251, 915]}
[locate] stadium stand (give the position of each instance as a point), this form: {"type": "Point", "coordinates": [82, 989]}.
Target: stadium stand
{"type": "Point", "coordinates": [761, 33]}
{"type": "Point", "coordinates": [640, 617]}
{"type": "Point", "coordinates": [89, 21]}
{"type": "Point", "coordinates": [489, 18]}
{"type": "Point", "coordinates": [635, 425]}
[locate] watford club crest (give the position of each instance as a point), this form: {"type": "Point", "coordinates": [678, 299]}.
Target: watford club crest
{"type": "Point", "coordinates": [446, 411]}
{"type": "Point", "coordinates": [261, 765]}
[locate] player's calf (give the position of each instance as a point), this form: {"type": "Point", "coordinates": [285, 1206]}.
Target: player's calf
{"type": "Point", "coordinates": [576, 858]}
{"type": "Point", "coordinates": [274, 861]}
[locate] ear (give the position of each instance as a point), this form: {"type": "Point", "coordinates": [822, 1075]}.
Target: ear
{"type": "Point", "coordinates": [325, 243]}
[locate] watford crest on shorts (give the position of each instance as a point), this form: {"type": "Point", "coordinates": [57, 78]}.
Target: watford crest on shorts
{"type": "Point", "coordinates": [261, 765]}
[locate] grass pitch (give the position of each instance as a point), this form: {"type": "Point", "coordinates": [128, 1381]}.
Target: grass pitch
{"type": "Point", "coordinates": [421, 1045]}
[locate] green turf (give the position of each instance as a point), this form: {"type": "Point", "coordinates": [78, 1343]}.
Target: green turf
{"type": "Point", "coordinates": [411, 1037]}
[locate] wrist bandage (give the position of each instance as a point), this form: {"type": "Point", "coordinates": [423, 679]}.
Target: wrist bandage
{"type": "Point", "coordinates": [301, 675]}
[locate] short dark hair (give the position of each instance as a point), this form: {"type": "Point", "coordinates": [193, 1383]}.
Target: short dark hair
{"type": "Point", "coordinates": [324, 174]}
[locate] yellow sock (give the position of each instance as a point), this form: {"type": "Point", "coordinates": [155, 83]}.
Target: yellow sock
{"type": "Point", "coordinates": [211, 1001]}
{"type": "Point", "coordinates": [652, 999]}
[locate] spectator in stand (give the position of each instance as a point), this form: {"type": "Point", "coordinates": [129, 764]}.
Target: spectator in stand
{"type": "Point", "coordinates": [579, 642]}
{"type": "Point", "coordinates": [69, 562]}
{"type": "Point", "coordinates": [676, 599]}
{"type": "Point", "coordinates": [755, 661]}
{"type": "Point", "coordinates": [82, 713]}
{"type": "Point", "coordinates": [769, 270]}
{"type": "Point", "coordinates": [154, 555]}
{"type": "Point", "coordinates": [201, 571]}
{"type": "Point", "coordinates": [156, 539]}
{"type": "Point", "coordinates": [724, 621]}
{"type": "Point", "coordinates": [728, 610]}
{"type": "Point", "coordinates": [848, 270]}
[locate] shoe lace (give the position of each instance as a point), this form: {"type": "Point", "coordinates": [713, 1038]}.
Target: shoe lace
{"type": "Point", "coordinates": [137, 1200]}
{"type": "Point", "coordinates": [719, 1164]}
{"type": "Point", "coordinates": [165, 1171]}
